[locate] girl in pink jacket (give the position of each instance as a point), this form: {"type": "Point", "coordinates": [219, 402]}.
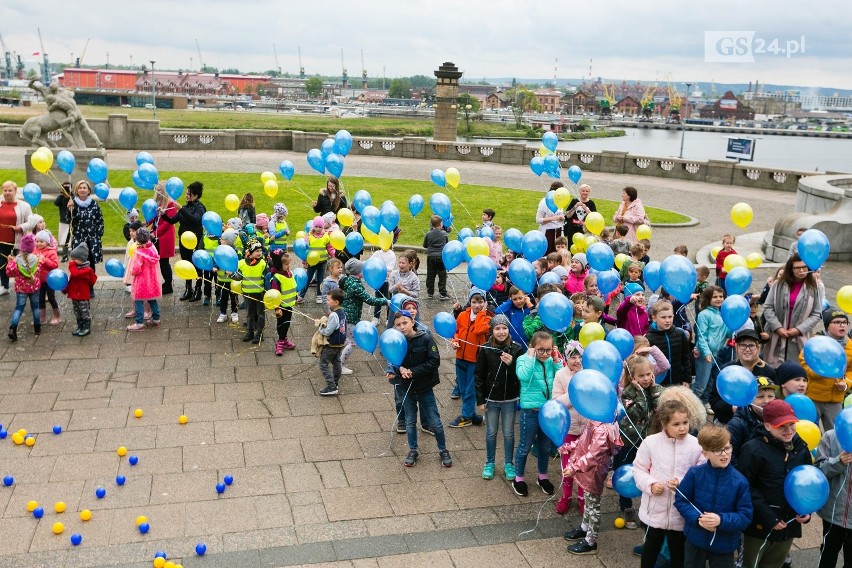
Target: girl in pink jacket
{"type": "Point", "coordinates": [661, 462]}
{"type": "Point", "coordinates": [145, 268]}
{"type": "Point", "coordinates": [574, 361]}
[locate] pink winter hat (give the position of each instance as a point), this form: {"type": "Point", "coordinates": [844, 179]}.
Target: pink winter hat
{"type": "Point", "coordinates": [27, 243]}
{"type": "Point", "coordinates": [318, 222]}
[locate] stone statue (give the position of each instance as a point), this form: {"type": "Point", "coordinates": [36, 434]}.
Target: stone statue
{"type": "Point", "coordinates": [63, 115]}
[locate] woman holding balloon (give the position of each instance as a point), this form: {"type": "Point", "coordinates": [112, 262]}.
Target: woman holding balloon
{"type": "Point", "coordinates": [189, 216]}
{"type": "Point", "coordinates": [577, 211]}
{"type": "Point", "coordinates": [330, 199]}
{"type": "Point", "coordinates": [631, 212]}
{"type": "Point", "coordinates": [163, 235]}
{"type": "Point", "coordinates": [14, 222]}
{"type": "Point", "coordinates": [87, 222]}
{"type": "Point", "coordinates": [549, 222]}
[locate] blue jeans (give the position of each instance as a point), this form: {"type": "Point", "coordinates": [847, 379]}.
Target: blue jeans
{"type": "Point", "coordinates": [140, 310]}
{"type": "Point", "coordinates": [531, 432]}
{"type": "Point", "coordinates": [21, 303]}
{"type": "Point", "coordinates": [316, 271]}
{"type": "Point", "coordinates": [400, 393]}
{"type": "Point", "coordinates": [702, 377]}
{"type": "Point", "coordinates": [429, 409]}
{"type": "Point", "coordinates": [625, 455]}
{"type": "Point", "coordinates": [467, 387]}
{"type": "Point", "coordinates": [504, 412]}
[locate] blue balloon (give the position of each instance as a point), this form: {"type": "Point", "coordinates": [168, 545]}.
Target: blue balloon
{"type": "Point", "coordinates": [806, 489]}
{"type": "Point", "coordinates": [736, 385]}
{"type": "Point", "coordinates": [202, 260]}
{"type": "Point", "coordinates": [136, 177]}
{"type": "Point", "coordinates": [342, 142]}
{"type": "Point", "coordinates": [128, 198]}
{"type": "Point", "coordinates": [556, 312]}
{"type": "Point", "coordinates": [366, 336]}
{"type": "Point", "coordinates": [803, 407]}
{"type": "Point", "coordinates": [32, 194]}
{"type": "Point", "coordinates": [96, 171]}
{"type": "Point", "coordinates": [101, 190]}
{"type": "Point", "coordinates": [57, 280]}
{"type": "Point", "coordinates": [608, 281]}
{"type": "Point", "coordinates": [149, 174]}
{"type": "Point", "coordinates": [354, 243]}
{"type": "Point", "coordinates": [549, 278]}
{"type": "Point", "coordinates": [465, 234]}
{"type": "Point", "coordinates": [735, 312]}
{"type": "Point", "coordinates": [393, 346]}
{"type": "Point", "coordinates": [389, 216]}
{"type": "Point", "coordinates": [300, 248]}
{"type": "Point", "coordinates": [486, 233]}
{"type": "Point", "coordinates": [371, 218]}
{"type": "Point", "coordinates": [452, 254]}
{"type": "Point", "coordinates": [522, 274]}
{"type": "Point", "coordinates": [825, 357]}
{"type": "Point", "coordinates": [212, 223]}
{"type": "Point", "coordinates": [447, 221]}
{"type": "Point", "coordinates": [415, 204]}
{"type": "Point", "coordinates": [361, 200]}
{"type": "Point", "coordinates": [554, 420]}
{"type": "Point", "coordinates": [813, 248]}
{"type": "Point", "coordinates": [316, 160]}
{"type": "Point", "coordinates": [440, 205]}
{"type": "Point", "coordinates": [653, 278]}
{"type": "Point", "coordinates": [225, 258]}
{"type": "Point", "coordinates": [174, 188]}
{"type": "Point", "coordinates": [738, 281]}
{"type": "Point", "coordinates": [334, 164]}
{"type": "Point", "coordinates": [287, 169]}
{"type": "Point", "coordinates": [482, 272]}
{"type": "Point", "coordinates": [66, 161]}
{"type": "Point", "coordinates": [114, 268]}
{"type": "Point", "coordinates": [600, 256]}
{"type": "Point", "coordinates": [604, 357]}
{"type": "Point", "coordinates": [534, 245]}
{"type": "Point", "coordinates": [444, 324]}
{"type": "Point", "coordinates": [624, 483]}
{"type": "Point", "coordinates": [843, 428]}
{"type": "Point", "coordinates": [375, 272]}
{"type": "Point", "coordinates": [439, 179]}
{"type": "Point", "coordinates": [679, 277]}
{"type": "Point", "coordinates": [551, 166]}
{"type": "Point", "coordinates": [300, 275]}
{"type": "Point", "coordinates": [149, 210]}
{"type": "Point", "coordinates": [537, 165]}
{"type": "Point", "coordinates": [327, 148]}
{"type": "Point", "coordinates": [551, 204]}
{"type": "Point", "coordinates": [396, 302]}
{"type": "Point", "coordinates": [550, 141]}
{"type": "Point", "coordinates": [144, 158]}
{"type": "Point", "coordinates": [622, 340]}
{"type": "Point", "coordinates": [593, 395]}
{"type": "Point", "coordinates": [575, 173]}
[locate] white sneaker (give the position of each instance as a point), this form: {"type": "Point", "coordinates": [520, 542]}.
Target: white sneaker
{"type": "Point", "coordinates": [708, 408]}
{"type": "Point", "coordinates": [374, 321]}
{"type": "Point", "coordinates": [346, 371]}
{"type": "Point", "coordinates": [222, 318]}
{"type": "Point", "coordinates": [3, 291]}
{"type": "Point", "coordinates": [319, 300]}
{"type": "Point", "coordinates": [235, 317]}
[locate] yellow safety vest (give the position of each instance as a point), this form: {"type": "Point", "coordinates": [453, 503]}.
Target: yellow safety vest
{"type": "Point", "coordinates": [318, 244]}
{"type": "Point", "coordinates": [288, 290]}
{"type": "Point", "coordinates": [253, 281]}
{"type": "Point", "coordinates": [210, 243]}
{"type": "Point", "coordinates": [280, 242]}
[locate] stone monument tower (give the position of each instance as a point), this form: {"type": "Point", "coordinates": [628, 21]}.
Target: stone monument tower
{"type": "Point", "coordinates": [446, 99]}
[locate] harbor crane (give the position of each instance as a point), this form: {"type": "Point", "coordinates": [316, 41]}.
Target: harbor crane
{"type": "Point", "coordinates": [301, 67]}
{"type": "Point", "coordinates": [8, 55]}
{"type": "Point", "coordinates": [45, 73]}
{"type": "Point", "coordinates": [674, 102]}
{"type": "Point", "coordinates": [275, 51]}
{"type": "Point", "coordinates": [363, 72]}
{"type": "Point", "coordinates": [648, 104]}
{"type": "Point", "coordinates": [608, 101]}
{"type": "Point", "coordinates": [83, 56]}
{"type": "Point", "coordinates": [203, 68]}
{"type": "Point", "coordinates": [344, 74]}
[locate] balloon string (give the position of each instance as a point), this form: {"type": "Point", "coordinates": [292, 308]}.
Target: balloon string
{"type": "Point", "coordinates": [833, 509]}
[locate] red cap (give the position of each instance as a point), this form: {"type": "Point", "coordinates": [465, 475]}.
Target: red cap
{"type": "Point", "coordinates": [776, 413]}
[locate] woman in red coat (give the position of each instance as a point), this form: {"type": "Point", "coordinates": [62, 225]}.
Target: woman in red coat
{"type": "Point", "coordinates": [164, 235]}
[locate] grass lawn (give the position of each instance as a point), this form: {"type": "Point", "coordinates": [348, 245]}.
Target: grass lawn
{"type": "Point", "coordinates": [514, 207]}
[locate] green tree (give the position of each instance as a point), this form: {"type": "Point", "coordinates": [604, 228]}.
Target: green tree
{"type": "Point", "coordinates": [422, 82]}
{"type": "Point", "coordinates": [522, 100]}
{"type": "Point", "coordinates": [314, 87]}
{"type": "Point", "coordinates": [400, 89]}
{"type": "Point", "coordinates": [468, 105]}
{"type": "Point", "coordinates": [31, 74]}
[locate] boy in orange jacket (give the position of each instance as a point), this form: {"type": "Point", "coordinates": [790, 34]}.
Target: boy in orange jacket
{"type": "Point", "coordinates": [472, 328]}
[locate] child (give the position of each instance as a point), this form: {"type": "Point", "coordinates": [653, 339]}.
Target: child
{"type": "Point", "coordinates": [335, 331]}
{"type": "Point", "coordinates": [252, 272]}
{"type": "Point", "coordinates": [210, 242]}
{"type": "Point", "coordinates": [631, 269]}
{"type": "Point", "coordinates": [499, 292]}
{"type": "Point", "coordinates": [640, 398]}
{"type": "Point", "coordinates": [332, 281]}
{"type": "Point", "coordinates": [631, 314]}
{"type": "Point", "coordinates": [48, 260]}
{"type": "Point", "coordinates": [757, 319]}
{"type": "Point", "coordinates": [836, 522]}
{"type": "Point", "coordinates": [283, 281]}
{"type": "Point", "coordinates": [495, 245]}
{"type": "Point", "coordinates": [434, 243]}
{"type": "Point", "coordinates": [497, 393]}
{"type": "Point", "coordinates": [261, 227]}
{"type": "Point", "coordinates": [703, 274]}
{"type": "Point", "coordinates": [319, 244]}
{"type": "Point", "coordinates": [828, 393]}
{"type": "Point", "coordinates": [606, 237]}
{"type": "Point", "coordinates": [661, 462]}
{"type": "Point", "coordinates": [594, 312]}
{"type": "Point", "coordinates": [354, 302]}
{"type": "Point", "coordinates": [81, 279]}
{"type": "Point", "coordinates": [711, 337]}
{"type": "Point", "coordinates": [652, 353]}
{"type": "Point", "coordinates": [389, 259]}
{"type": "Point", "coordinates": [774, 450]}
{"type": "Point", "coordinates": [223, 280]}
{"type": "Point", "coordinates": [278, 229]}
{"type": "Point", "coordinates": [562, 243]}
{"type": "Point", "coordinates": [715, 503]}
{"type": "Point", "coordinates": [620, 244]}
{"type": "Point", "coordinates": [727, 250]}
{"type": "Point", "coordinates": [132, 217]}
{"type": "Point", "coordinates": [673, 342]}
{"type": "Point", "coordinates": [488, 217]}
{"type": "Point", "coordinates": [747, 419]}
{"type": "Point", "coordinates": [472, 327]}
{"type": "Point", "coordinates": [245, 211]}
{"type": "Point", "coordinates": [129, 251]}
{"type": "Point", "coordinates": [532, 321]}
{"type": "Point", "coordinates": [411, 306]}
{"type": "Point", "coordinates": [682, 251]}
{"type": "Point", "coordinates": [24, 268]}
{"type": "Point", "coordinates": [419, 372]}
{"type": "Point", "coordinates": [516, 308]}
{"type": "Point", "coordinates": [646, 245]}
{"type": "Point", "coordinates": [145, 268]}
{"type": "Point", "coordinates": [553, 260]}
{"type": "Point", "coordinates": [590, 456]}
{"type": "Point", "coordinates": [404, 279]}
{"type": "Point", "coordinates": [536, 370]}
{"type": "Point", "coordinates": [61, 203]}
{"type": "Point", "coordinates": [577, 275]}
{"type": "Point", "coordinates": [574, 360]}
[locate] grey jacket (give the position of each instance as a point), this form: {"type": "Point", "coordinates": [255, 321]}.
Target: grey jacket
{"type": "Point", "coordinates": [805, 316]}
{"type": "Point", "coordinates": [837, 509]}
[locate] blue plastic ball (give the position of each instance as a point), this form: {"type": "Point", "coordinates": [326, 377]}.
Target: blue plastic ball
{"type": "Point", "coordinates": [8, 480]}
{"type": "Point", "coordinates": [220, 488]}
{"type": "Point", "coordinates": [3, 434]}
{"type": "Point", "coordinates": [144, 528]}
{"type": "Point", "coordinates": [120, 479]}
{"type": "Point", "coordinates": [57, 429]}
{"type": "Point", "coordinates": [200, 549]}
{"type": "Point", "coordinates": [133, 460]}
{"type": "Point", "coordinates": [76, 539]}
{"type": "Point", "coordinates": [229, 479]}
{"type": "Point", "coordinates": [160, 554]}
{"type": "Point", "coordinates": [38, 512]}
{"type": "Point", "coordinates": [100, 492]}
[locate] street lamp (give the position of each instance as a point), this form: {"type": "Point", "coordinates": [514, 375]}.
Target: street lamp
{"type": "Point", "coordinates": [683, 121]}
{"type": "Point", "coordinates": [153, 89]}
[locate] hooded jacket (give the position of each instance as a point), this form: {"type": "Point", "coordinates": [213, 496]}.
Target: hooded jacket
{"type": "Point", "coordinates": [471, 333]}
{"type": "Point", "coordinates": [536, 380]}
{"type": "Point", "coordinates": [80, 281]}
{"type": "Point", "coordinates": [822, 389]}
{"type": "Point", "coordinates": [516, 321]}
{"type": "Point", "coordinates": [494, 379]}
{"type": "Point", "coordinates": [741, 427]}
{"type": "Point", "coordinates": [639, 406]}
{"type": "Point", "coordinates": [574, 284]}
{"type": "Point", "coordinates": [591, 455]}
{"type": "Point", "coordinates": [838, 509]}
{"type": "Point", "coordinates": [145, 268]}
{"type": "Point", "coordinates": [674, 344]}
{"type": "Point", "coordinates": [355, 298]}
{"type": "Point", "coordinates": [631, 317]}
{"type": "Point", "coordinates": [422, 359]}
{"type": "Point", "coordinates": [711, 332]}
{"type": "Point", "coordinates": [47, 261]}
{"type": "Point", "coordinates": [25, 269]}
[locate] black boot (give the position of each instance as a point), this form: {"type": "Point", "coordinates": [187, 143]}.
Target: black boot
{"type": "Point", "coordinates": [197, 294]}
{"type": "Point", "coordinates": [13, 332]}
{"type": "Point", "coordinates": [187, 294]}
{"type": "Point", "coordinates": [37, 329]}
{"type": "Point", "coordinates": [65, 253]}
{"type": "Point", "coordinates": [249, 336]}
{"type": "Point", "coordinates": [257, 337]}
{"type": "Point", "coordinates": [85, 329]}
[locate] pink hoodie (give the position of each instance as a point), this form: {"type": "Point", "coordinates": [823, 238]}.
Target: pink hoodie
{"type": "Point", "coordinates": [591, 454]}
{"type": "Point", "coordinates": [574, 284]}
{"type": "Point", "coordinates": [145, 268]}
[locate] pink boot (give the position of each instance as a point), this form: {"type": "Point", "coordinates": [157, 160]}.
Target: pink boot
{"type": "Point", "coordinates": [289, 345]}
{"type": "Point", "coordinates": [564, 504]}
{"type": "Point", "coordinates": [279, 347]}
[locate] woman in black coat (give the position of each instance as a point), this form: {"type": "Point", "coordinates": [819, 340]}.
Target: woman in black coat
{"type": "Point", "coordinates": [330, 199]}
{"type": "Point", "coordinates": [189, 216]}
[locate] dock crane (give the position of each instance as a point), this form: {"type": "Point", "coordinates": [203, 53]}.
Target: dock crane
{"type": "Point", "coordinates": [674, 102]}
{"type": "Point", "coordinates": [301, 67]}
{"type": "Point", "coordinates": [363, 72]}
{"type": "Point", "coordinates": [344, 74]}
{"type": "Point", "coordinates": [275, 51]}
{"type": "Point", "coordinates": [648, 103]}
{"type": "Point", "coordinates": [45, 73]}
{"type": "Point", "coordinates": [8, 55]}
{"type": "Point", "coordinates": [203, 68]}
{"type": "Point", "coordinates": [83, 56]}
{"type": "Point", "coordinates": [608, 101]}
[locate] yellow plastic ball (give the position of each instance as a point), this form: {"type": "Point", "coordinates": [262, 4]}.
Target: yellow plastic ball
{"type": "Point", "coordinates": [31, 506]}
{"type": "Point", "coordinates": [85, 515]}
{"type": "Point", "coordinates": [59, 507]}
{"type": "Point", "coordinates": [619, 523]}
{"type": "Point", "coordinates": [30, 441]}
{"type": "Point", "coordinates": [138, 413]}
{"type": "Point", "coordinates": [159, 562]}
{"type": "Point", "coordinates": [169, 564]}
{"type": "Point", "coordinates": [17, 438]}
{"type": "Point", "coordinates": [22, 432]}
{"type": "Point", "coordinates": [58, 528]}
{"type": "Point", "coordinates": [141, 519]}
{"type": "Point", "coordinates": [121, 451]}
{"type": "Point", "coordinates": [183, 419]}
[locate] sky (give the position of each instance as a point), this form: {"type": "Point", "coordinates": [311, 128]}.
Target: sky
{"type": "Point", "coordinates": [648, 41]}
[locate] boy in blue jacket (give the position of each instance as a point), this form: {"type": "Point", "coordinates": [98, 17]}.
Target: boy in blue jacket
{"type": "Point", "coordinates": [516, 308]}
{"type": "Point", "coordinates": [715, 501]}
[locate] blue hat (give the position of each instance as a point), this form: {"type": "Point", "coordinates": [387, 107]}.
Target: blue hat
{"type": "Point", "coordinates": [633, 288]}
{"type": "Point", "coordinates": [473, 292]}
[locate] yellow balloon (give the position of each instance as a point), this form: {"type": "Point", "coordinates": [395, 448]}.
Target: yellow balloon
{"type": "Point", "coordinates": [313, 258]}
{"type": "Point", "coordinates": [715, 251]}
{"type": "Point", "coordinates": [753, 260]}
{"type": "Point", "coordinates": [300, 235]}
{"type": "Point", "coordinates": [270, 188]}
{"type": "Point", "coordinates": [741, 215]}
{"type": "Point", "coordinates": [844, 299]}
{"type": "Point", "coordinates": [476, 246]}
{"type": "Point", "coordinates": [385, 239]}
{"type": "Point", "coordinates": [575, 249]}
{"type": "Point", "coordinates": [544, 151]}
{"type": "Point", "coordinates": [579, 238]}
{"type": "Point", "coordinates": [562, 197]}
{"type": "Point", "coordinates": [453, 177]}
{"type": "Point", "coordinates": [346, 217]}
{"type": "Point", "coordinates": [369, 235]}
{"type": "Point", "coordinates": [809, 432]}
{"type": "Point", "coordinates": [734, 260]}
{"type": "Point", "coordinates": [272, 299]}
{"type": "Point", "coordinates": [266, 176]}
{"type": "Point", "coordinates": [619, 260]}
{"type": "Point", "coordinates": [595, 223]}
{"type": "Point", "coordinates": [643, 232]}
{"type": "Point", "coordinates": [591, 331]}
{"type": "Point", "coordinates": [337, 240]}
{"type": "Point", "coordinates": [237, 286]}
{"type": "Point", "coordinates": [185, 270]}
{"type": "Point", "coordinates": [188, 240]}
{"type": "Point", "coordinates": [232, 202]}
{"type": "Point", "coordinates": [42, 159]}
{"type": "Point", "coordinates": [589, 241]}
